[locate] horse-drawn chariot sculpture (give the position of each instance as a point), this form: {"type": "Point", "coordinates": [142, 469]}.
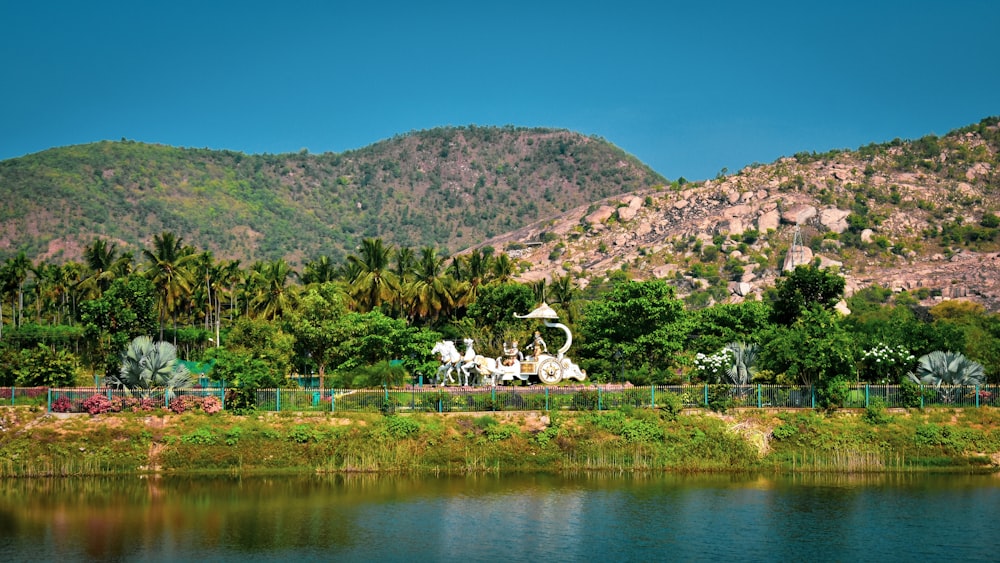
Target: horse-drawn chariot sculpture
{"type": "Point", "coordinates": [513, 364]}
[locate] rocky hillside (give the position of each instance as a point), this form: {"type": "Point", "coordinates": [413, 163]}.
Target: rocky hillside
{"type": "Point", "coordinates": [447, 187]}
{"type": "Point", "coordinates": [919, 216]}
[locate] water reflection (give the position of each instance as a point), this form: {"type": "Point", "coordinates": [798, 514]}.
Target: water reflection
{"type": "Point", "coordinates": [478, 518]}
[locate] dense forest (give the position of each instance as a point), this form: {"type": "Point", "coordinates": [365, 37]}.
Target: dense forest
{"type": "Point", "coordinates": [372, 319]}
{"type": "Point", "coordinates": [447, 187]}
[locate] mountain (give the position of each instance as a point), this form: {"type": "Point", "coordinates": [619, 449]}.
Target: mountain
{"type": "Point", "coordinates": [919, 216]}
{"type": "Point", "coordinates": [448, 187]}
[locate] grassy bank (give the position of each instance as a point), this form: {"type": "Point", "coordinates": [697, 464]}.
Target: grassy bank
{"type": "Point", "coordinates": [33, 443]}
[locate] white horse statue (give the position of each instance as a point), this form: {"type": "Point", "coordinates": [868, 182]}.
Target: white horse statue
{"type": "Point", "coordinates": [469, 362]}
{"type": "Point", "coordinates": [450, 359]}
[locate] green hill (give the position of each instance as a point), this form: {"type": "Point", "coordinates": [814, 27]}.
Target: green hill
{"type": "Point", "coordinates": [448, 187]}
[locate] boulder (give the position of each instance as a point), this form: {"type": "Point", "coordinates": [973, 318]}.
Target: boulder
{"type": "Point", "coordinates": [797, 256]}
{"type": "Point", "coordinates": [768, 221]}
{"type": "Point", "coordinates": [602, 214]}
{"type": "Point", "coordinates": [834, 219]}
{"type": "Point", "coordinates": [798, 214]}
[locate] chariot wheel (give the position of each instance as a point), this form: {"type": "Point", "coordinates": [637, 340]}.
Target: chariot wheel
{"type": "Point", "coordinates": [549, 371]}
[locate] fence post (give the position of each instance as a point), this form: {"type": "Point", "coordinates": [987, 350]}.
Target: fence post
{"type": "Point", "coordinates": [866, 395]}
{"type": "Point", "coordinates": [277, 399]}
{"type": "Point", "coordinates": [600, 400]}
{"type": "Point", "coordinates": [440, 403]}
{"type": "Point", "coordinates": [50, 398]}
{"type": "Point", "coordinates": [921, 395]}
{"type": "Point", "coordinates": [333, 400]}
{"type": "Point", "coordinates": [546, 399]}
{"type": "Point", "coordinates": [812, 391]}
{"type": "Point", "coordinates": [706, 394]}
{"type": "Point", "coordinates": [977, 395]}
{"type": "Point", "coordinates": [222, 395]}
{"type": "Point", "coordinates": [652, 396]}
{"type": "Point", "coordinates": [759, 404]}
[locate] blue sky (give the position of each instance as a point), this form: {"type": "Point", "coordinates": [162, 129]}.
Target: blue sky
{"type": "Point", "coordinates": [687, 87]}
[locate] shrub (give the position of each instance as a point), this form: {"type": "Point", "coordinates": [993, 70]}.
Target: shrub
{"type": "Point", "coordinates": [185, 403]}
{"type": "Point", "coordinates": [400, 426]}
{"type": "Point", "coordinates": [875, 412]}
{"type": "Point", "coordinates": [62, 404]}
{"type": "Point", "coordinates": [98, 404]}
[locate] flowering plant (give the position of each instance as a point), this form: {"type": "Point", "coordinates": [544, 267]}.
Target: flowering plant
{"type": "Point", "coordinates": [712, 368]}
{"type": "Point", "coordinates": [886, 364]}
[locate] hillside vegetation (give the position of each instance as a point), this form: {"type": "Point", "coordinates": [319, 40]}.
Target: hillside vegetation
{"type": "Point", "coordinates": [449, 188]}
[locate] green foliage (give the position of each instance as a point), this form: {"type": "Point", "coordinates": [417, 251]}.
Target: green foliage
{"type": "Point", "coordinates": [399, 427]}
{"type": "Point", "coordinates": [805, 287]}
{"type": "Point", "coordinates": [45, 366]}
{"type": "Point", "coordinates": [148, 365]}
{"type": "Point", "coordinates": [719, 398]}
{"type": "Point", "coordinates": [814, 349]}
{"type": "Point", "coordinates": [635, 323]}
{"type": "Point", "coordinates": [126, 310]}
{"type": "Point", "coordinates": [875, 412]}
{"type": "Point", "coordinates": [785, 431]}
{"type": "Point", "coordinates": [303, 434]}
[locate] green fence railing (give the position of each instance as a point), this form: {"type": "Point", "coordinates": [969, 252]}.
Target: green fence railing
{"type": "Point", "coordinates": [478, 399]}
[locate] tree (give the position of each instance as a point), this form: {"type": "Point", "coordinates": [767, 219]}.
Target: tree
{"type": "Point", "coordinates": [948, 368]}
{"type": "Point", "coordinates": [45, 366]}
{"type": "Point", "coordinates": [805, 287]}
{"type": "Point", "coordinates": [273, 297]}
{"type": "Point", "coordinates": [148, 365]}
{"type": "Point", "coordinates": [429, 294]}
{"type": "Point", "coordinates": [635, 325]}
{"type": "Point", "coordinates": [126, 310]}
{"type": "Point", "coordinates": [814, 350]}
{"type": "Point", "coordinates": [169, 268]}
{"type": "Point", "coordinates": [374, 283]}
{"type": "Point", "coordinates": [744, 364]}
{"type": "Point", "coordinates": [315, 324]}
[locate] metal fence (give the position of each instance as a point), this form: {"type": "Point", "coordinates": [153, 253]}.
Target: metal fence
{"type": "Point", "coordinates": [476, 399]}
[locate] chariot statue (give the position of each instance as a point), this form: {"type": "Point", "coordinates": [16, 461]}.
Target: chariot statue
{"type": "Point", "coordinates": [540, 365]}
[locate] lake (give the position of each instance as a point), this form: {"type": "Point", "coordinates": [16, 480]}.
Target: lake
{"type": "Point", "coordinates": [513, 517]}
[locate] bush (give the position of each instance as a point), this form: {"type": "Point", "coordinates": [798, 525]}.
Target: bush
{"type": "Point", "coordinates": [185, 403]}
{"type": "Point", "coordinates": [62, 404]}
{"type": "Point", "coordinates": [98, 404]}
{"type": "Point", "coordinates": [875, 412]}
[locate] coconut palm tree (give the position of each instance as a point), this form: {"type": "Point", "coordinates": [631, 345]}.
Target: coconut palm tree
{"type": "Point", "coordinates": [503, 269]}
{"type": "Point", "coordinates": [374, 283]}
{"type": "Point", "coordinates": [318, 271]}
{"type": "Point", "coordinates": [170, 268]}
{"type": "Point", "coordinates": [428, 295]}
{"type": "Point", "coordinates": [273, 297]}
{"type": "Point", "coordinates": [99, 258]}
{"type": "Point", "coordinates": [18, 268]}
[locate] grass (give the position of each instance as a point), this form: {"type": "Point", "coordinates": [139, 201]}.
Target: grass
{"type": "Point", "coordinates": [627, 440]}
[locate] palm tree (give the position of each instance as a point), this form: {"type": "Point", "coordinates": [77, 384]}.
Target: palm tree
{"type": "Point", "coordinates": [562, 290]}
{"type": "Point", "coordinates": [100, 260]}
{"type": "Point", "coordinates": [273, 297]}
{"type": "Point", "coordinates": [428, 295]}
{"type": "Point", "coordinates": [147, 365]}
{"type": "Point", "coordinates": [318, 271]}
{"type": "Point", "coordinates": [503, 268]}
{"type": "Point", "coordinates": [374, 283]}
{"type": "Point", "coordinates": [18, 268]}
{"type": "Point", "coordinates": [744, 362]}
{"type": "Point", "coordinates": [169, 268]}
{"type": "Point", "coordinates": [952, 369]}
